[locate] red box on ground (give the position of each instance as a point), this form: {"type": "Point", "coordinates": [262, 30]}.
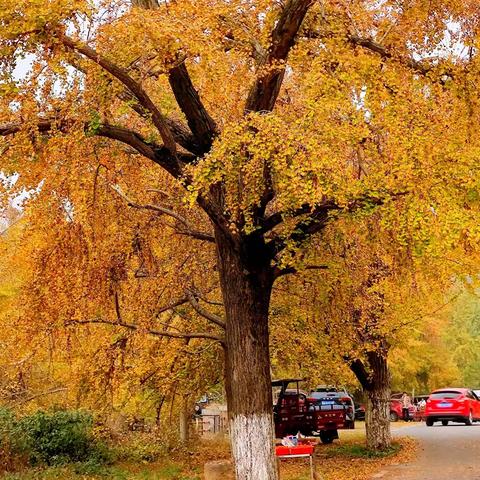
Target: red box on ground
{"type": "Point", "coordinates": [282, 450]}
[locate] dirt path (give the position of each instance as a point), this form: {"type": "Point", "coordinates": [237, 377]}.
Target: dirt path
{"type": "Point", "coordinates": [446, 453]}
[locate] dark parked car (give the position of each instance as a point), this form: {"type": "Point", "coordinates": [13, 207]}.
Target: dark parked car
{"type": "Point", "coordinates": [295, 411]}
{"type": "Point", "coordinates": [359, 412]}
{"type": "Point", "coordinates": [326, 395]}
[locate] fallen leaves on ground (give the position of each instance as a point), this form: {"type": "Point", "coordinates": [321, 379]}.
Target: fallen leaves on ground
{"type": "Point", "coordinates": [348, 460]}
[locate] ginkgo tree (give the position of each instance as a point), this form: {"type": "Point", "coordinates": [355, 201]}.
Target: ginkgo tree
{"type": "Point", "coordinates": [381, 288]}
{"type": "Point", "coordinates": [376, 292]}
{"type": "Point", "coordinates": [85, 322]}
{"type": "Point", "coordinates": [277, 119]}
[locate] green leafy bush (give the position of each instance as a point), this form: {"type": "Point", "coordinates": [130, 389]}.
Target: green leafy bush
{"type": "Point", "coordinates": [52, 438]}
{"type": "Point", "coordinates": [58, 437]}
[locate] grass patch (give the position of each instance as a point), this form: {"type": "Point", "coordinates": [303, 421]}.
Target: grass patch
{"type": "Point", "coordinates": [355, 450]}
{"type": "Point", "coordinates": [84, 471]}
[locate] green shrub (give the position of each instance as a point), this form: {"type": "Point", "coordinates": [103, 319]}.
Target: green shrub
{"type": "Point", "coordinates": [52, 438]}
{"type": "Point", "coordinates": [58, 437]}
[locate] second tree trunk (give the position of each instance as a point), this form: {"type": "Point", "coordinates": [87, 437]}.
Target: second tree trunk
{"type": "Point", "coordinates": [377, 415]}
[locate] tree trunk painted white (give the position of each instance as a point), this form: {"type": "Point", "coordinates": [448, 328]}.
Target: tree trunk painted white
{"type": "Point", "coordinates": [253, 433]}
{"type": "Point", "coordinates": [246, 282]}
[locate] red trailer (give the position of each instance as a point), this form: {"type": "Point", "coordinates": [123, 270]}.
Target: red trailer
{"type": "Point", "coordinates": [295, 412]}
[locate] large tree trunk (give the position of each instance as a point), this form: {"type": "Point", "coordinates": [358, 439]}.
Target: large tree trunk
{"type": "Point", "coordinates": [377, 415]}
{"type": "Point", "coordinates": [246, 280]}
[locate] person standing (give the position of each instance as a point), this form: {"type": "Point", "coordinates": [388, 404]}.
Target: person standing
{"type": "Point", "coordinates": [406, 404]}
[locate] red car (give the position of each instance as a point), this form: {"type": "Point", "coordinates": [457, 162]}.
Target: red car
{"type": "Point", "coordinates": [452, 405]}
{"type": "Point", "coordinates": [396, 410]}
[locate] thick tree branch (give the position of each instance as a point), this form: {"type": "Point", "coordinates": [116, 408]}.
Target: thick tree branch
{"type": "Point", "coordinates": [315, 222]}
{"type": "Point", "coordinates": [172, 163]}
{"type": "Point", "coordinates": [124, 135]}
{"type": "Point", "coordinates": [277, 218]}
{"type": "Point", "coordinates": [318, 219]}
{"type": "Point", "coordinates": [206, 300]}
{"type": "Point", "coordinates": [265, 90]}
{"type": "Point", "coordinates": [205, 313]}
{"type": "Point", "coordinates": [422, 67]}
{"type": "Point", "coordinates": [133, 86]}
{"type": "Point", "coordinates": [271, 70]}
{"type": "Point", "coordinates": [359, 370]}
{"type": "Point", "coordinates": [181, 133]}
{"type": "Point", "coordinates": [162, 156]}
{"type": "Point", "coordinates": [43, 126]}
{"type": "Point", "coordinates": [155, 333]}
{"type": "Point", "coordinates": [200, 122]}
{"type": "Point", "coordinates": [129, 137]}
{"type": "Point", "coordinates": [145, 3]}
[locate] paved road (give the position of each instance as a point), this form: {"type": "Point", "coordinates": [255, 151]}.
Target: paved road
{"type": "Point", "coordinates": [446, 453]}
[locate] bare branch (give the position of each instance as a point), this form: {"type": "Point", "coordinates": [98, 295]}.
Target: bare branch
{"type": "Point", "coordinates": [117, 307]}
{"type": "Point", "coordinates": [280, 272]}
{"type": "Point", "coordinates": [171, 306]}
{"type": "Point", "coordinates": [188, 229]}
{"type": "Point", "coordinates": [43, 394]}
{"type": "Point", "coordinates": [155, 333]}
{"type": "Point", "coordinates": [206, 300]}
{"type": "Point", "coordinates": [11, 225]}
{"type": "Point", "coordinates": [419, 66]}
{"type": "Point", "coordinates": [205, 313]}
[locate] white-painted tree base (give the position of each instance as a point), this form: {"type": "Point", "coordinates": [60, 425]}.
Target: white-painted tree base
{"type": "Point", "coordinates": [252, 447]}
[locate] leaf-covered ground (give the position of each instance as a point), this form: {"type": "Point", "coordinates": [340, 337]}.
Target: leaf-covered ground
{"type": "Point", "coordinates": [347, 459]}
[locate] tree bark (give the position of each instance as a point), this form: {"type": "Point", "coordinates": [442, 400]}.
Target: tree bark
{"type": "Point", "coordinates": [184, 420]}
{"type": "Point", "coordinates": [377, 414]}
{"type": "Point", "coordinates": [246, 280]}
